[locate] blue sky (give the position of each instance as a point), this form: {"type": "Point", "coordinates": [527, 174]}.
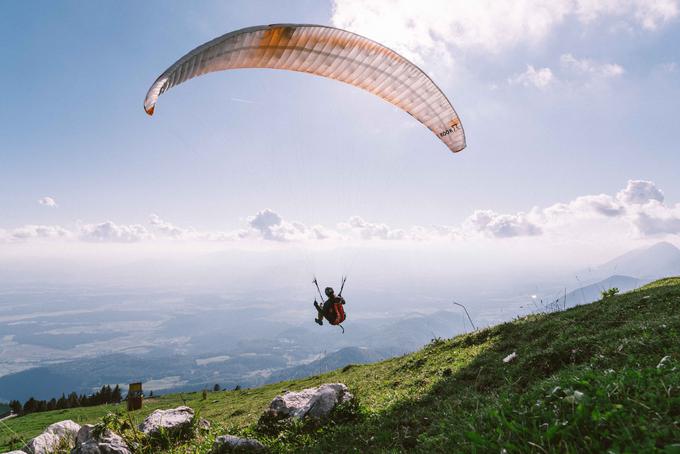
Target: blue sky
{"type": "Point", "coordinates": [563, 103]}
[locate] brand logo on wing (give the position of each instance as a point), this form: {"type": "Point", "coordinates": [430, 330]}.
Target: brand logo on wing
{"type": "Point", "coordinates": [455, 126]}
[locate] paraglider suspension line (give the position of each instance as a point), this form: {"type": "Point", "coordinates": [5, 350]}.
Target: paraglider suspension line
{"type": "Point", "coordinates": [318, 289]}
{"type": "Point", "coordinates": [342, 286]}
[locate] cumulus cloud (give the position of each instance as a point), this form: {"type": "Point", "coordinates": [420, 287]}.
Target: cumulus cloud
{"type": "Point", "coordinates": [639, 205]}
{"type": "Point", "coordinates": [48, 202]}
{"type": "Point", "coordinates": [368, 230]}
{"type": "Point", "coordinates": [440, 26]}
{"type": "Point", "coordinates": [540, 78]}
{"type": "Point", "coordinates": [109, 231]}
{"type": "Point", "coordinates": [650, 225]}
{"type": "Point", "coordinates": [585, 206]}
{"type": "Point", "coordinates": [269, 225]}
{"type": "Point", "coordinates": [639, 192]}
{"type": "Point", "coordinates": [39, 231]}
{"type": "Point", "coordinates": [502, 225]}
{"type": "Point", "coordinates": [168, 229]}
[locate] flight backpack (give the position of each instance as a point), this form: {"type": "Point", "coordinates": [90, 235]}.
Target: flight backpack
{"type": "Point", "coordinates": [339, 311]}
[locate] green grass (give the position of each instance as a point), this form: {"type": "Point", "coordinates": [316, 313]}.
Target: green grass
{"type": "Point", "coordinates": [584, 380]}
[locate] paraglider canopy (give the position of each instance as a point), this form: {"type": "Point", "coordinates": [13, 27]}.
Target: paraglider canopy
{"type": "Point", "coordinates": [328, 52]}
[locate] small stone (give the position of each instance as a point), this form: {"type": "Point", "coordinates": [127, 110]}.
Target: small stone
{"type": "Point", "coordinates": [510, 357]}
{"type": "Point", "coordinates": [204, 424]}
{"type": "Point", "coordinates": [663, 362]}
{"type": "Point", "coordinates": [229, 443]}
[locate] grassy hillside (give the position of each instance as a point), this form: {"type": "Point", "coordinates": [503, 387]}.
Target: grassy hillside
{"type": "Point", "coordinates": [604, 376]}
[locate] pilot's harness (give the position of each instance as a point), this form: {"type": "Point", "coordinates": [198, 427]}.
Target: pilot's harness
{"type": "Point", "coordinates": [337, 308]}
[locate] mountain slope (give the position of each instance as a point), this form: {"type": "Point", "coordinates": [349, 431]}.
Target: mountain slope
{"type": "Point", "coordinates": [332, 361]}
{"type": "Point", "coordinates": [594, 378]}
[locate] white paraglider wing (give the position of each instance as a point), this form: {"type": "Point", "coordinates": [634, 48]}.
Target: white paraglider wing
{"type": "Point", "coordinates": [327, 52]}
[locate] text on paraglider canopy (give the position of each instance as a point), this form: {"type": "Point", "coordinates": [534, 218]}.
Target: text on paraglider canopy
{"type": "Point", "coordinates": [451, 130]}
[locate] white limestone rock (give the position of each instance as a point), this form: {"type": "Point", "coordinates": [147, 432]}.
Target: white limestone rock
{"type": "Point", "coordinates": [108, 442]}
{"type": "Point", "coordinates": [173, 420]}
{"type": "Point", "coordinates": [309, 403]}
{"type": "Point", "coordinates": [50, 439]}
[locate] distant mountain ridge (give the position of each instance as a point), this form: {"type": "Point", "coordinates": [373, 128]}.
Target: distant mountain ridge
{"type": "Point", "coordinates": [593, 292]}
{"type": "Point", "coordinates": [656, 261]}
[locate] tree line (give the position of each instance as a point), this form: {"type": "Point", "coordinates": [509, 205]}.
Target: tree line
{"type": "Point", "coordinates": [106, 395]}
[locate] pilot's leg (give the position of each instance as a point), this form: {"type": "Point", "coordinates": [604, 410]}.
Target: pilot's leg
{"type": "Point", "coordinates": [319, 319]}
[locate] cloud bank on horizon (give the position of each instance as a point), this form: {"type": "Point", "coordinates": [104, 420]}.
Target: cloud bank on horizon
{"type": "Point", "coordinates": [638, 211]}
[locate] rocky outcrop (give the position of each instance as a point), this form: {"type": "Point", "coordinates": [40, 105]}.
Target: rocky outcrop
{"type": "Point", "coordinates": [15, 452]}
{"type": "Point", "coordinates": [228, 443]}
{"type": "Point", "coordinates": [44, 443]}
{"type": "Point", "coordinates": [107, 443]}
{"type": "Point", "coordinates": [309, 403]}
{"type": "Point", "coordinates": [52, 437]}
{"type": "Point", "coordinates": [175, 421]}
{"type": "Point", "coordinates": [84, 434]}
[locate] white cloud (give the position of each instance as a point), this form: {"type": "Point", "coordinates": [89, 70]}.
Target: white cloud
{"type": "Point", "coordinates": [110, 232]}
{"type": "Point", "coordinates": [39, 231]}
{"type": "Point", "coordinates": [640, 206]}
{"type": "Point", "coordinates": [502, 225]}
{"type": "Point", "coordinates": [540, 78]}
{"type": "Point", "coordinates": [356, 226]}
{"type": "Point", "coordinates": [586, 66]}
{"type": "Point", "coordinates": [267, 222]}
{"type": "Point", "coordinates": [269, 225]}
{"type": "Point", "coordinates": [651, 13]}
{"type": "Point", "coordinates": [48, 202]}
{"type": "Point", "coordinates": [167, 229]}
{"type": "Point", "coordinates": [585, 206]}
{"type": "Point", "coordinates": [440, 26]}
{"type": "Point", "coordinates": [658, 220]}
{"type": "Point", "coordinates": [639, 210]}
{"type": "Point", "coordinates": [639, 192]}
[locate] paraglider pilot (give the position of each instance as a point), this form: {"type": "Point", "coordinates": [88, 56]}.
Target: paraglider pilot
{"type": "Point", "coordinates": [333, 308]}
{"type": "Point", "coordinates": [328, 311]}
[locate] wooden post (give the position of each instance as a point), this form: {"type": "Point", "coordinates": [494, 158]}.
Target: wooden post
{"type": "Point", "coordinates": [135, 396]}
